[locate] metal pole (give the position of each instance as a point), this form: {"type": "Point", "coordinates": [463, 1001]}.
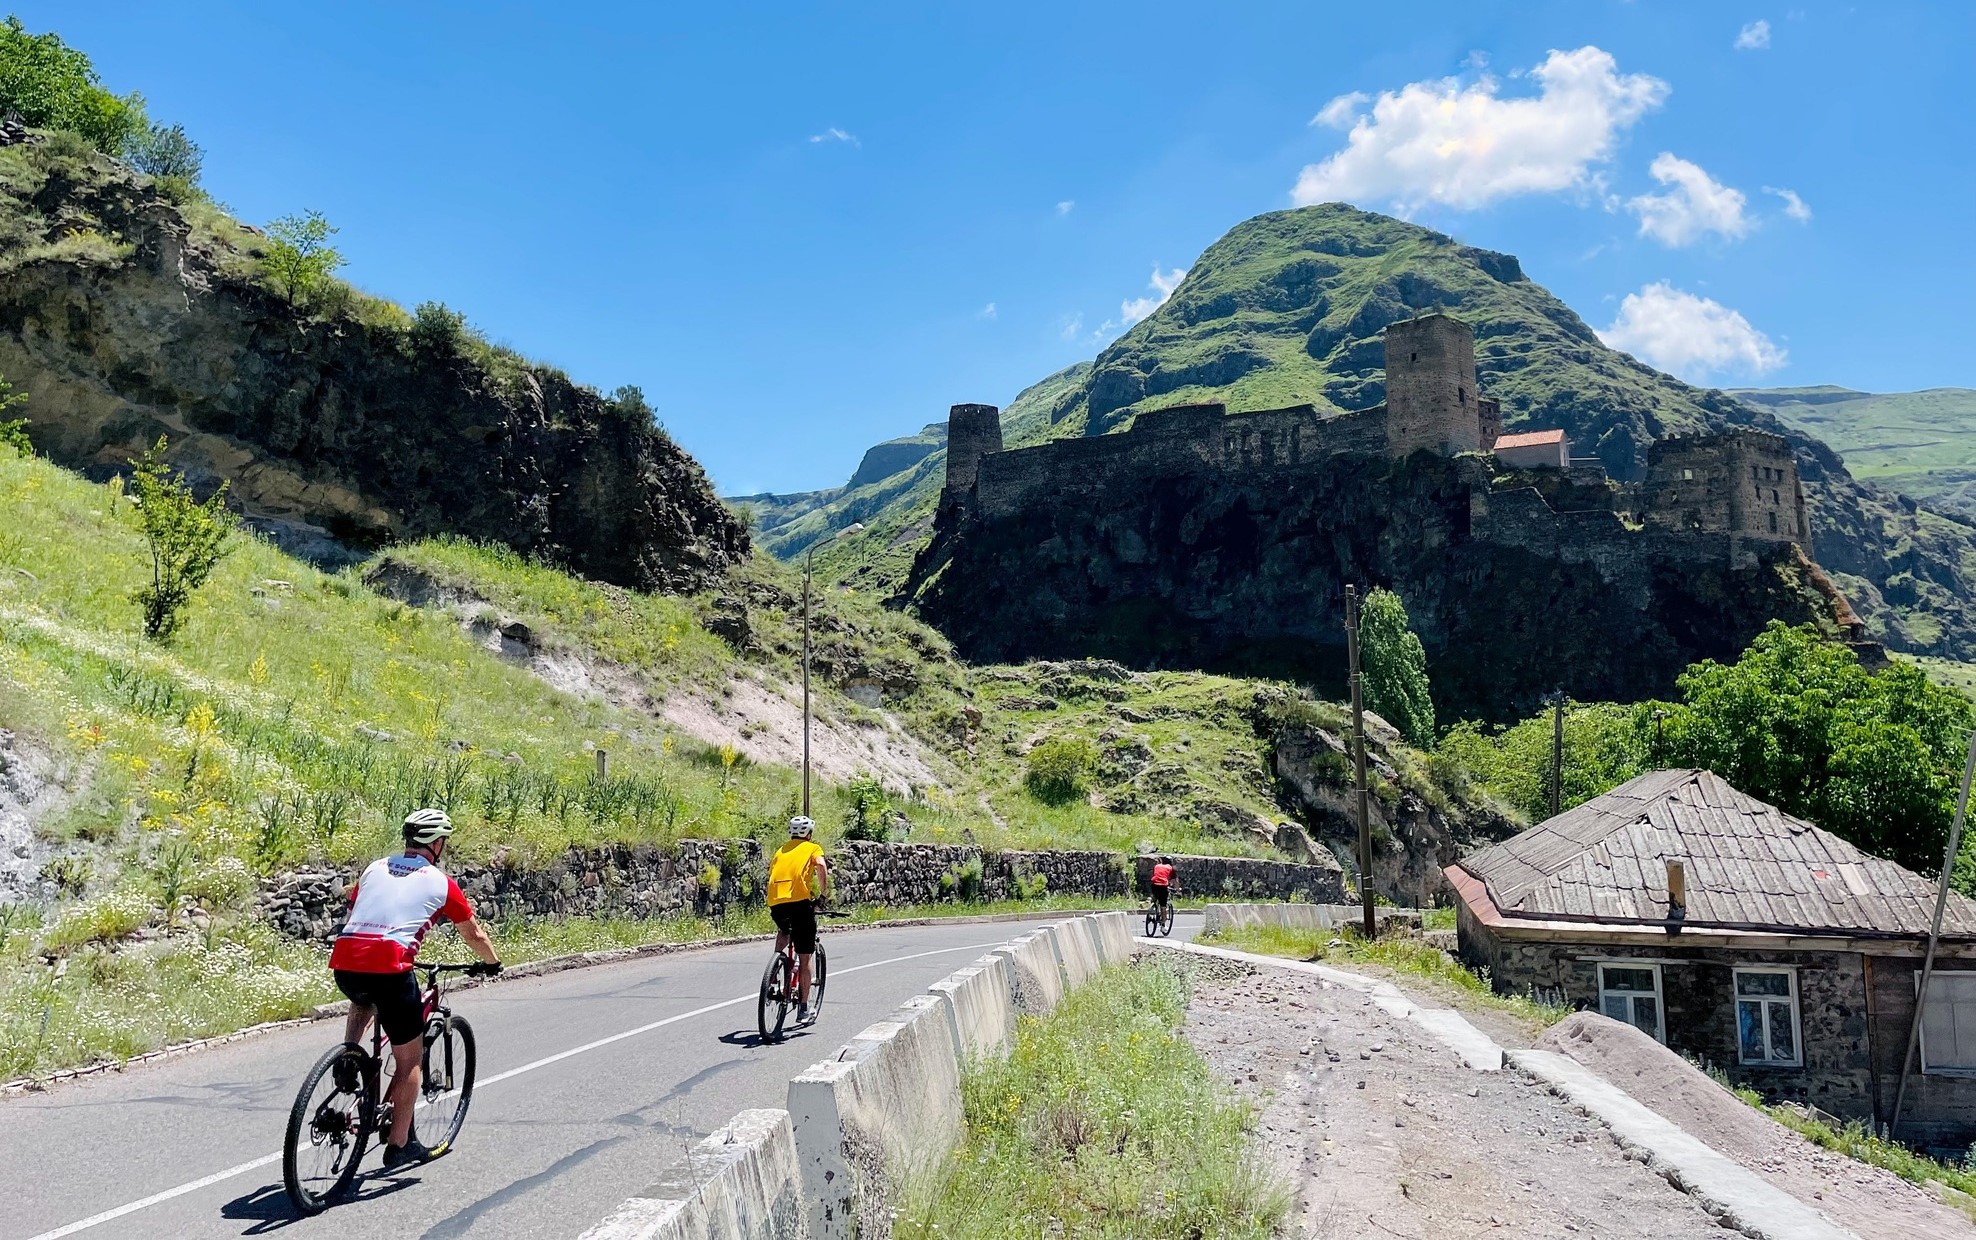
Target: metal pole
{"type": "Point", "coordinates": [806, 679]}
{"type": "Point", "coordinates": [1358, 755]}
{"type": "Point", "coordinates": [1557, 753]}
{"type": "Point", "coordinates": [1934, 936]}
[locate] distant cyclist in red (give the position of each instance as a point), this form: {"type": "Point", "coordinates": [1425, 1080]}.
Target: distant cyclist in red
{"type": "Point", "coordinates": [1165, 884]}
{"type": "Point", "coordinates": [396, 900]}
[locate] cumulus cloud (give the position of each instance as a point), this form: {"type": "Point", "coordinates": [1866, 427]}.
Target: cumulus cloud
{"type": "Point", "coordinates": [834, 134]}
{"type": "Point", "coordinates": [1466, 146]}
{"type": "Point", "coordinates": [1133, 309]}
{"type": "Point", "coordinates": [1342, 111]}
{"type": "Point", "coordinates": [1696, 204]}
{"type": "Point", "coordinates": [1066, 206]}
{"type": "Point", "coordinates": [986, 312]}
{"type": "Point", "coordinates": [1693, 337]}
{"type": "Point", "coordinates": [1072, 326]}
{"type": "Point", "coordinates": [1754, 37]}
{"type": "Point", "coordinates": [1794, 206]}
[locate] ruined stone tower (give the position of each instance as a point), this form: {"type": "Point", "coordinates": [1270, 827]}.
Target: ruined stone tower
{"type": "Point", "coordinates": [1743, 483]}
{"type": "Point", "coordinates": [973, 431]}
{"type": "Point", "coordinates": [1431, 397]}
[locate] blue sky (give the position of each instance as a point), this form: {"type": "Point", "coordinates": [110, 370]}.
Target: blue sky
{"type": "Point", "coordinates": [805, 228]}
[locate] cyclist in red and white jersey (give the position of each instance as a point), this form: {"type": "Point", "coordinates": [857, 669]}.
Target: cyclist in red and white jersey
{"type": "Point", "coordinates": [396, 900]}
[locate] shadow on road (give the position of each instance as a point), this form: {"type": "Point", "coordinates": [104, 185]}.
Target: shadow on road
{"type": "Point", "coordinates": [270, 1210]}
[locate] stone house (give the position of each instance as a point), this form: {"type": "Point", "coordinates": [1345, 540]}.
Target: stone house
{"type": "Point", "coordinates": [1741, 937]}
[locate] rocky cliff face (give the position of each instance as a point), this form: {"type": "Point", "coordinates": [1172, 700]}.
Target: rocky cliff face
{"type": "Point", "coordinates": [124, 317]}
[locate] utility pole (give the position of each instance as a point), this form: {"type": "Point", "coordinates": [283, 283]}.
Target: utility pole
{"type": "Point", "coordinates": [1558, 753]}
{"type": "Point", "coordinates": [1934, 936]}
{"type": "Point", "coordinates": [1660, 717]}
{"type": "Point", "coordinates": [808, 557]}
{"type": "Point", "coordinates": [1358, 758]}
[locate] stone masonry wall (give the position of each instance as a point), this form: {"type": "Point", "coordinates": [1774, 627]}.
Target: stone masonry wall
{"type": "Point", "coordinates": [1247, 878]}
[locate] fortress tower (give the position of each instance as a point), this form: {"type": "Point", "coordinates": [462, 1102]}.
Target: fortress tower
{"type": "Point", "coordinates": [1431, 397]}
{"type": "Point", "coordinates": [973, 431]}
{"type": "Point", "coordinates": [1743, 483]}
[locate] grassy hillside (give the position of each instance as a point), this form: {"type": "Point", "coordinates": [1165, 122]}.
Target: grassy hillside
{"type": "Point", "coordinates": [1288, 308]}
{"type": "Point", "coordinates": [1921, 444]}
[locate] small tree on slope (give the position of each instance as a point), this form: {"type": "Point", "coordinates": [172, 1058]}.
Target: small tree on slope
{"type": "Point", "coordinates": [187, 539]}
{"type": "Point", "coordinates": [1395, 668]}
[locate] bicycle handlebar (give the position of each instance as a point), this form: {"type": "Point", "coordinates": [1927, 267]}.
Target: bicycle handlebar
{"type": "Point", "coordinates": [437, 967]}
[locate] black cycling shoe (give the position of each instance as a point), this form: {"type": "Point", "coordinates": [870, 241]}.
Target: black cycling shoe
{"type": "Point", "coordinates": [410, 1154]}
{"type": "Point", "coordinates": [348, 1074]}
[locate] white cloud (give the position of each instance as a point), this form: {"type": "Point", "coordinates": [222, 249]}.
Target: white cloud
{"type": "Point", "coordinates": [1066, 206]}
{"type": "Point", "coordinates": [834, 134]}
{"type": "Point", "coordinates": [986, 312]}
{"type": "Point", "coordinates": [1441, 142]}
{"type": "Point", "coordinates": [1136, 308]}
{"type": "Point", "coordinates": [1696, 205]}
{"type": "Point", "coordinates": [1754, 37]}
{"type": "Point", "coordinates": [1794, 206]}
{"type": "Point", "coordinates": [1690, 336]}
{"type": "Point", "coordinates": [1072, 326]}
{"type": "Point", "coordinates": [1342, 111]}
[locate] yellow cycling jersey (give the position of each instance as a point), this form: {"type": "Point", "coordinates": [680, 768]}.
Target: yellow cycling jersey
{"type": "Point", "coordinates": [789, 872]}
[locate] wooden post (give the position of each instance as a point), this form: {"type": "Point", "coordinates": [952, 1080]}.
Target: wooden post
{"type": "Point", "coordinates": [1371, 925]}
{"type": "Point", "coordinates": [603, 765]}
{"type": "Point", "coordinates": [1557, 753]}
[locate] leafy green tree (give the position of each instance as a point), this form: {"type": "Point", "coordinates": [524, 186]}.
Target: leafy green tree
{"type": "Point", "coordinates": [13, 432]}
{"type": "Point", "coordinates": [166, 153]}
{"type": "Point", "coordinates": [1605, 744]}
{"type": "Point", "coordinates": [187, 539]}
{"type": "Point", "coordinates": [437, 329]}
{"type": "Point", "coordinates": [54, 86]}
{"type": "Point", "coordinates": [299, 257]}
{"type": "Point", "coordinates": [1395, 668]}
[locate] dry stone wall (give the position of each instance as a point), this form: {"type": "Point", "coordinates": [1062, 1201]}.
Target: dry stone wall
{"type": "Point", "coordinates": [1248, 877]}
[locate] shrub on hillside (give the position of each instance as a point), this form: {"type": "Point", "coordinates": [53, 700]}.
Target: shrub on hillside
{"type": "Point", "coordinates": [299, 258]}
{"type": "Point", "coordinates": [869, 815]}
{"type": "Point", "coordinates": [1059, 768]}
{"type": "Point", "coordinates": [187, 539]}
{"type": "Point", "coordinates": [54, 86]}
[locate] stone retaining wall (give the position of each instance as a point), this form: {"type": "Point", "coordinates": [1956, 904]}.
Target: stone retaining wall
{"type": "Point", "coordinates": [1248, 877]}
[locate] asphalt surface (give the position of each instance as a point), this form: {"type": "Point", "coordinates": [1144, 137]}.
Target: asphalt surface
{"type": "Point", "coordinates": [592, 1084]}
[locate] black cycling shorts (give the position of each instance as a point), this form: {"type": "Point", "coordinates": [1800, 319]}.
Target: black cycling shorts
{"type": "Point", "coordinates": [400, 1006]}
{"type": "Point", "coordinates": [1159, 896]}
{"type": "Point", "coordinates": [797, 919]}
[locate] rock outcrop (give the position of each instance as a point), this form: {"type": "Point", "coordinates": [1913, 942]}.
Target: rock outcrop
{"type": "Point", "coordinates": [341, 424]}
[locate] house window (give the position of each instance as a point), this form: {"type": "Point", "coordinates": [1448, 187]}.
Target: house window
{"type": "Point", "coordinates": [1631, 992]}
{"type": "Point", "coordinates": [1948, 1024]}
{"type": "Point", "coordinates": [1767, 1017]}
{"type": "Point", "coordinates": [1773, 522]}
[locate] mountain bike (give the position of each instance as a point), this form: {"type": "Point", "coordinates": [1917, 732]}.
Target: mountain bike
{"type": "Point", "coordinates": [342, 1101]}
{"type": "Point", "coordinates": [779, 993]}
{"type": "Point", "coordinates": [1159, 919]}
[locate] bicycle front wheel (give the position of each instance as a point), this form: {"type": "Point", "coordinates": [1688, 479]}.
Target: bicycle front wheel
{"type": "Point", "coordinates": [1166, 920]}
{"type": "Point", "coordinates": [328, 1128]}
{"type": "Point", "coordinates": [446, 1080]}
{"type": "Point", "coordinates": [772, 1008]}
{"type": "Point", "coordinates": [818, 972]}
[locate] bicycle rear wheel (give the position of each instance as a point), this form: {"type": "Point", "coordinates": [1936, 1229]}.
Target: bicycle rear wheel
{"type": "Point", "coordinates": [328, 1128]}
{"type": "Point", "coordinates": [772, 1008]}
{"type": "Point", "coordinates": [446, 1080]}
{"type": "Point", "coordinates": [1152, 921]}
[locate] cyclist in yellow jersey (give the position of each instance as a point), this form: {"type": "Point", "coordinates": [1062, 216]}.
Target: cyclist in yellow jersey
{"type": "Point", "coordinates": [798, 880]}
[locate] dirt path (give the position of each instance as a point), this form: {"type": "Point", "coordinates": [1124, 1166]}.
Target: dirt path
{"type": "Point", "coordinates": [1383, 1133]}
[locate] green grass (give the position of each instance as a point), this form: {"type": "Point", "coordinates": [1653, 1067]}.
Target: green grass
{"type": "Point", "coordinates": [1407, 957]}
{"type": "Point", "coordinates": [1921, 444]}
{"type": "Point", "coordinates": [1103, 1122]}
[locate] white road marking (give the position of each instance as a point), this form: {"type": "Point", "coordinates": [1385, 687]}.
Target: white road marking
{"type": "Point", "coordinates": [217, 1176]}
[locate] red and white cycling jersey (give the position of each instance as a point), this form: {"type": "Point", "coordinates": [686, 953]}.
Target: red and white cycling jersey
{"type": "Point", "coordinates": [395, 901]}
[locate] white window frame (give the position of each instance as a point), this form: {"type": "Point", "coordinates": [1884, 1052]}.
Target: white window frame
{"type": "Point", "coordinates": [1766, 1002]}
{"type": "Point", "coordinates": [1926, 1069]}
{"type": "Point", "coordinates": [1659, 995]}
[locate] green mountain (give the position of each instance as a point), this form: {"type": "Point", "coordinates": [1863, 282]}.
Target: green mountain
{"type": "Point", "coordinates": [1921, 444]}
{"type": "Point", "coordinates": [1288, 307]}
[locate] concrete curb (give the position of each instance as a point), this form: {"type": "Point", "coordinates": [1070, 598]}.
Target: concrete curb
{"type": "Point", "coordinates": [748, 1195]}
{"type": "Point", "coordinates": [1734, 1195]}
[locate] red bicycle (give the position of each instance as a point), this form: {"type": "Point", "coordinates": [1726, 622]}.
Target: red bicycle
{"type": "Point", "coordinates": [342, 1101]}
{"type": "Point", "coordinates": [779, 992]}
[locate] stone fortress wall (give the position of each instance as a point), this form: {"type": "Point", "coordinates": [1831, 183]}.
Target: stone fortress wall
{"type": "Point", "coordinates": [1743, 483]}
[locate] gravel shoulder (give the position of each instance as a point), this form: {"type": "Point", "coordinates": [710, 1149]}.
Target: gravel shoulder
{"type": "Point", "coordinates": [1382, 1132]}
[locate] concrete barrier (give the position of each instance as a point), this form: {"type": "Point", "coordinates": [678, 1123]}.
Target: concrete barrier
{"type": "Point", "coordinates": [1113, 932]}
{"type": "Point", "coordinates": [1035, 978]}
{"type": "Point", "coordinates": [750, 1190]}
{"type": "Point", "coordinates": [1077, 952]}
{"type": "Point", "coordinates": [980, 1007]}
{"type": "Point", "coordinates": [1218, 917]}
{"type": "Point", "coordinates": [888, 1106]}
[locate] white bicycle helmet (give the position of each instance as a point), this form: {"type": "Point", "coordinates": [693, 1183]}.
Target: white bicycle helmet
{"type": "Point", "coordinates": [427, 826]}
{"type": "Point", "coordinates": [800, 828]}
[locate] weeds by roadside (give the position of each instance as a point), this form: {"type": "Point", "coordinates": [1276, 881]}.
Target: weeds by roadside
{"type": "Point", "coordinates": [1103, 1122]}
{"type": "Point", "coordinates": [1401, 955]}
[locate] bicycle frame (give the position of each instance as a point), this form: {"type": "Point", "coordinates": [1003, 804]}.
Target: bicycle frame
{"type": "Point", "coordinates": [431, 1008]}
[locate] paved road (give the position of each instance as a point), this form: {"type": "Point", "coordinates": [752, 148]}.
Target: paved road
{"type": "Point", "coordinates": [592, 1085]}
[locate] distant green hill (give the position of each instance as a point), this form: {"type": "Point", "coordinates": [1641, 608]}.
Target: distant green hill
{"type": "Point", "coordinates": [1288, 307]}
{"type": "Point", "coordinates": [1922, 444]}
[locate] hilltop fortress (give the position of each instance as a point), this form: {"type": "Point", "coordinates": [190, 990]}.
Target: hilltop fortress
{"type": "Point", "coordinates": [1203, 538]}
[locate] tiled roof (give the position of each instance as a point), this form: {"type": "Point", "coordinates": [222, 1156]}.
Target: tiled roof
{"type": "Point", "coordinates": [1529, 439]}
{"type": "Point", "coordinates": [1749, 866]}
